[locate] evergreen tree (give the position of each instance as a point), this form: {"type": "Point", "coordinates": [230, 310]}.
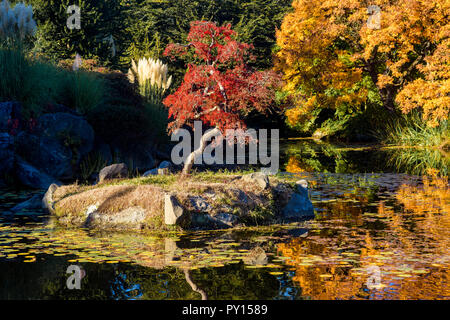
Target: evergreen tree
{"type": "Point", "coordinates": [101, 32]}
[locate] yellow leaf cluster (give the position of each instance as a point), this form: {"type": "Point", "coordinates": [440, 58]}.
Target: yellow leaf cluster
{"type": "Point", "coordinates": [328, 47]}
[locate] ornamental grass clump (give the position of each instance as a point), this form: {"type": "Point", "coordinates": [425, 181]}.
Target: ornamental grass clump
{"type": "Point", "coordinates": [152, 77]}
{"type": "Point", "coordinates": [16, 23]}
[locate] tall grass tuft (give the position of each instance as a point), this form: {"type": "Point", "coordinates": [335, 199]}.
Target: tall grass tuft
{"type": "Point", "coordinates": [152, 77]}
{"type": "Point", "coordinates": [82, 91]}
{"type": "Point", "coordinates": [158, 115]}
{"type": "Point", "coordinates": [92, 163]}
{"type": "Point", "coordinates": [32, 82]}
{"type": "Point", "coordinates": [411, 130]}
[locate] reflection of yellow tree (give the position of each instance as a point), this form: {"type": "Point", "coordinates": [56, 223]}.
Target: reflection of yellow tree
{"type": "Point", "coordinates": [434, 197]}
{"type": "Point", "coordinates": [294, 166]}
{"type": "Point", "coordinates": [317, 277]}
{"type": "Point", "coordinates": [412, 251]}
{"type": "Point", "coordinates": [428, 208]}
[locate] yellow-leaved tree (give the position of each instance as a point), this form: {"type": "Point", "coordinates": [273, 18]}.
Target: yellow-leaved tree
{"type": "Point", "coordinates": [339, 55]}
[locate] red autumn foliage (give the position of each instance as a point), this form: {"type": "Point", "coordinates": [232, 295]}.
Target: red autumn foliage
{"type": "Point", "coordinates": [218, 89]}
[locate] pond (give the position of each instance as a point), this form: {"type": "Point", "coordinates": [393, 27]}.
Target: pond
{"type": "Point", "coordinates": [382, 231]}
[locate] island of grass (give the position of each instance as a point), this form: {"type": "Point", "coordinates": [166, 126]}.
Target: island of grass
{"type": "Point", "coordinates": [172, 202]}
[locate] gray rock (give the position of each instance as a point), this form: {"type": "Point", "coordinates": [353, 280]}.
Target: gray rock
{"type": "Point", "coordinates": [31, 177]}
{"type": "Point", "coordinates": [299, 206]}
{"type": "Point", "coordinates": [47, 200]}
{"type": "Point", "coordinates": [202, 220]}
{"type": "Point", "coordinates": [152, 172]}
{"type": "Point", "coordinates": [48, 154]}
{"type": "Point", "coordinates": [199, 204]}
{"type": "Point", "coordinates": [59, 142]}
{"type": "Point", "coordinates": [173, 211]}
{"type": "Point", "coordinates": [113, 171]}
{"type": "Point", "coordinates": [164, 165]}
{"type": "Point", "coordinates": [258, 178]}
{"type": "Point", "coordinates": [65, 126]}
{"type": "Point", "coordinates": [31, 204]}
{"type": "Point", "coordinates": [130, 218]}
{"type": "Point", "coordinates": [225, 219]}
{"type": "Point", "coordinates": [6, 153]}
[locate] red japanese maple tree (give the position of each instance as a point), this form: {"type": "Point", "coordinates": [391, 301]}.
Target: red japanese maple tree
{"type": "Point", "coordinates": [219, 88]}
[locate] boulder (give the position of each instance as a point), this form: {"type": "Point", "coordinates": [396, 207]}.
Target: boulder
{"type": "Point", "coordinates": [35, 203]}
{"type": "Point", "coordinates": [199, 204]}
{"type": "Point", "coordinates": [47, 200]}
{"type": "Point", "coordinates": [258, 178]}
{"type": "Point", "coordinates": [31, 177]}
{"type": "Point", "coordinates": [165, 165]}
{"type": "Point", "coordinates": [203, 221]}
{"type": "Point", "coordinates": [6, 152]}
{"type": "Point", "coordinates": [173, 211]}
{"type": "Point", "coordinates": [114, 171]}
{"type": "Point", "coordinates": [299, 205]}
{"type": "Point", "coordinates": [57, 145]}
{"type": "Point", "coordinates": [68, 129]}
{"type": "Point", "coordinates": [223, 219]}
{"type": "Point", "coordinates": [130, 219]}
{"type": "Point", "coordinates": [48, 154]}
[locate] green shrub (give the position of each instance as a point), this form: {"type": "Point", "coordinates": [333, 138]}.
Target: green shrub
{"type": "Point", "coordinates": [82, 91]}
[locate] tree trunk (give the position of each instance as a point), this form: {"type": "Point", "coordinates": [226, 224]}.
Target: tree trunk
{"type": "Point", "coordinates": [203, 143]}
{"type": "Point", "coordinates": [194, 286]}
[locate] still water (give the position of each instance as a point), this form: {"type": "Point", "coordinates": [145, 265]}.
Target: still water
{"type": "Point", "coordinates": [382, 231]}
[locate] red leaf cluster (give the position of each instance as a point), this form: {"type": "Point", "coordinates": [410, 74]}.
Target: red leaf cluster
{"type": "Point", "coordinates": [218, 88]}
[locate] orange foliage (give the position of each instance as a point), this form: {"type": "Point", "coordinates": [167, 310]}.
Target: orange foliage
{"type": "Point", "coordinates": [331, 57]}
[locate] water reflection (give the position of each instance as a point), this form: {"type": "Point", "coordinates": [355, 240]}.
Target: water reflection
{"type": "Point", "coordinates": [315, 156]}
{"type": "Point", "coordinates": [375, 236]}
{"type": "Point", "coordinates": [406, 238]}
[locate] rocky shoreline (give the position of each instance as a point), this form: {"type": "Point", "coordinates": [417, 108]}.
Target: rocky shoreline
{"type": "Point", "coordinates": [61, 145]}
